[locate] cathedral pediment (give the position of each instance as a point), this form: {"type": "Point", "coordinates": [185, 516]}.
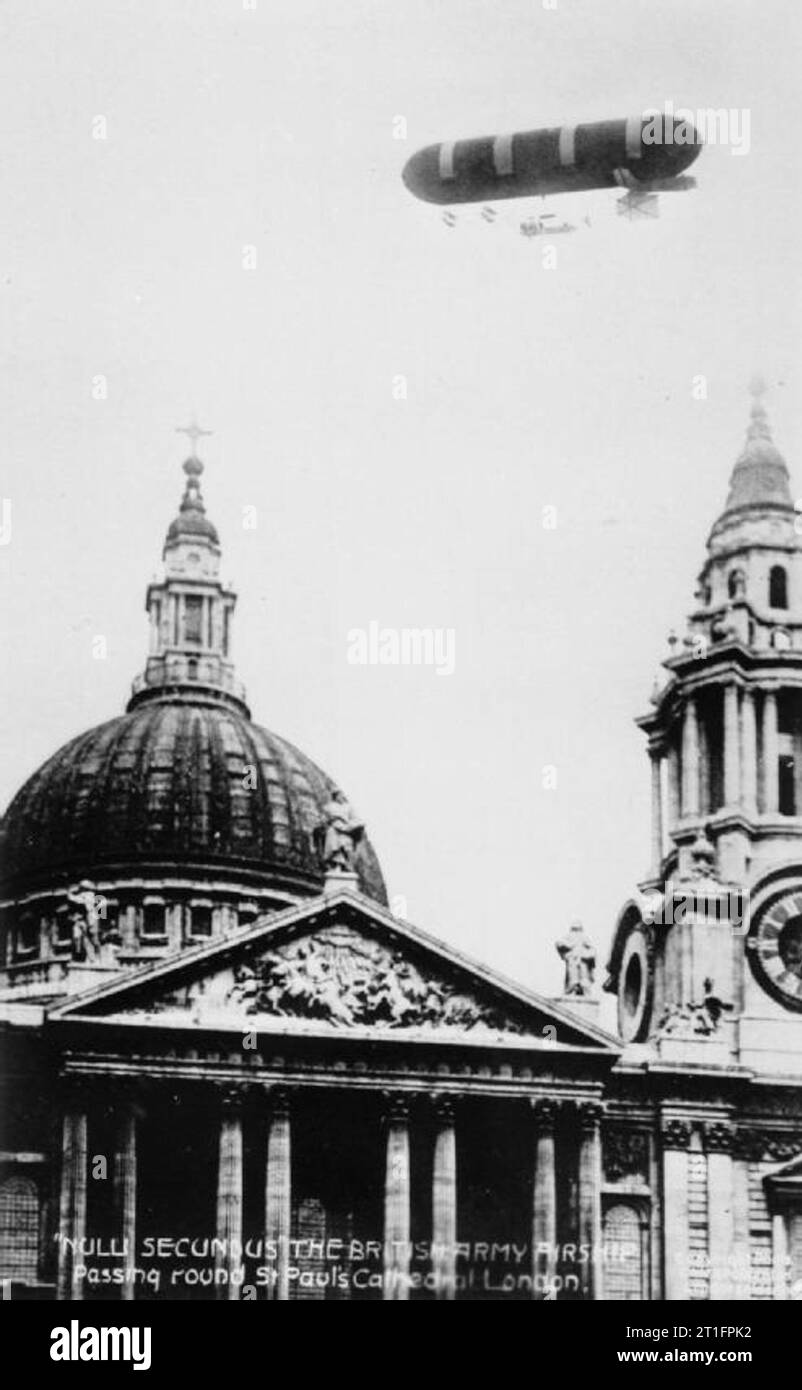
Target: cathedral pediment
{"type": "Point", "coordinates": [337, 966]}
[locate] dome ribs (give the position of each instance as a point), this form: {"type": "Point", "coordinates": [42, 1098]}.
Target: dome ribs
{"type": "Point", "coordinates": [263, 819]}
{"type": "Point", "coordinates": [105, 830]}
{"type": "Point", "coordinates": [241, 828]}
{"type": "Point", "coordinates": [219, 788]}
{"type": "Point", "coordinates": [181, 795]}
{"type": "Point", "coordinates": [62, 844]}
{"type": "Point", "coordinates": [197, 826]}
{"type": "Point", "coordinates": [165, 785]}
{"type": "Point", "coordinates": [284, 755]}
{"type": "Point", "coordinates": [138, 816]}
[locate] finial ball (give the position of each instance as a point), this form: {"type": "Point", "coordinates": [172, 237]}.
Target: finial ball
{"type": "Point", "coordinates": [757, 386]}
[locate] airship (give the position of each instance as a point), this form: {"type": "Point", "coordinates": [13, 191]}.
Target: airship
{"type": "Point", "coordinates": [641, 155]}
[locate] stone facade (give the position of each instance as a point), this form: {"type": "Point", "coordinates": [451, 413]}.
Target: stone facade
{"type": "Point", "coordinates": [231, 1072]}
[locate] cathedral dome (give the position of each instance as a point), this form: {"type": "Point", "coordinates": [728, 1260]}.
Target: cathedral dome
{"type": "Point", "coordinates": [182, 789]}
{"type": "Point", "coordinates": [175, 786]}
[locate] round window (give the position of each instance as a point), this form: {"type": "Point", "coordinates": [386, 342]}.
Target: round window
{"type": "Point", "coordinates": [634, 990]}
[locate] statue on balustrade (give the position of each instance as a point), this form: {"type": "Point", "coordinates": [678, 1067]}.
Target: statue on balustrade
{"type": "Point", "coordinates": [342, 832]}
{"type": "Point", "coordinates": [579, 956]}
{"type": "Point", "coordinates": [86, 909]}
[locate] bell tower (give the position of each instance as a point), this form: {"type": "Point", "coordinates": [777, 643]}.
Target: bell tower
{"type": "Point", "coordinates": [714, 941]}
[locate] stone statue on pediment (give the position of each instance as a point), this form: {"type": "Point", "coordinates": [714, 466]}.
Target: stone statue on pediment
{"type": "Point", "coordinates": [342, 832]}
{"type": "Point", "coordinates": [579, 956]}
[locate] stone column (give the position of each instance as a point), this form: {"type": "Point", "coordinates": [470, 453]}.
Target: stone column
{"type": "Point", "coordinates": [278, 1194]}
{"type": "Point", "coordinates": [229, 1197]}
{"type": "Point", "coordinates": [720, 1206]}
{"type": "Point", "coordinates": [397, 1202]}
{"type": "Point", "coordinates": [749, 748]}
{"type": "Point", "coordinates": [740, 1221]}
{"type": "Point", "coordinates": [655, 757]}
{"type": "Point", "coordinates": [444, 1202]}
{"type": "Point", "coordinates": [125, 1194]}
{"type": "Point", "coordinates": [590, 1226]}
{"type": "Point", "coordinates": [676, 1139]}
{"type": "Point", "coordinates": [206, 627]}
{"type": "Point", "coordinates": [779, 1257]}
{"type": "Point", "coordinates": [672, 788]}
{"type": "Point", "coordinates": [544, 1202]}
{"type": "Point", "coordinates": [705, 797]}
{"type": "Point", "coordinates": [690, 761]}
{"type": "Point", "coordinates": [732, 750]}
{"type": "Point", "coordinates": [771, 755]}
{"type": "Point", "coordinates": [72, 1202]}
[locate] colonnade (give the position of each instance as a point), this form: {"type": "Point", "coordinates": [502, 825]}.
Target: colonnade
{"type": "Point", "coordinates": [397, 1195]}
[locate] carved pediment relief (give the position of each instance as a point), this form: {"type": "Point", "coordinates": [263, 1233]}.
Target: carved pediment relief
{"type": "Point", "coordinates": [344, 979]}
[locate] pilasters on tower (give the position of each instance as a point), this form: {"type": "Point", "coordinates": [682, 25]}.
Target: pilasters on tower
{"type": "Point", "coordinates": [725, 733]}
{"type": "Point", "coordinates": [712, 952]}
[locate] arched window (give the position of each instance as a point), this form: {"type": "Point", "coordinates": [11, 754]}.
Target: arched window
{"type": "Point", "coordinates": [778, 587]}
{"type": "Point", "coordinates": [625, 1274]}
{"type": "Point", "coordinates": [19, 1230]}
{"type": "Point", "coordinates": [736, 584]}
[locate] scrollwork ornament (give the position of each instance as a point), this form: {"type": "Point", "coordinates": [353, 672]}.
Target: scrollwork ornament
{"type": "Point", "coordinates": [626, 1153]}
{"type": "Point", "coordinates": [719, 1138]}
{"type": "Point", "coordinates": [676, 1134]}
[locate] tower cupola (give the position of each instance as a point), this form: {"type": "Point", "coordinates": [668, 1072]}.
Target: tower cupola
{"type": "Point", "coordinates": [190, 609]}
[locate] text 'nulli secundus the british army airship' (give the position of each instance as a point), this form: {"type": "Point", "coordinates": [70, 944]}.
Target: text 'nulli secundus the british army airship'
{"type": "Point", "coordinates": [642, 155]}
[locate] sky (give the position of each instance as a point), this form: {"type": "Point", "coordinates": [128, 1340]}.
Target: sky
{"type": "Point", "coordinates": [204, 214]}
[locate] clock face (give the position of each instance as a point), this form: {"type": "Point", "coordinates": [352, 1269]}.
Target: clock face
{"type": "Point", "coordinates": [776, 949]}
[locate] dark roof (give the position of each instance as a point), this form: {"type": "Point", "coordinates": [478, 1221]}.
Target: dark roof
{"type": "Point", "coordinates": [760, 476]}
{"type": "Point", "coordinates": [166, 786]}
{"type": "Point", "coordinates": [192, 523]}
{"type": "Point", "coordinates": [192, 519]}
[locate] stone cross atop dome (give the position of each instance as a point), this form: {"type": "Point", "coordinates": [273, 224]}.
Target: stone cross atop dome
{"type": "Point", "coordinates": [194, 432]}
